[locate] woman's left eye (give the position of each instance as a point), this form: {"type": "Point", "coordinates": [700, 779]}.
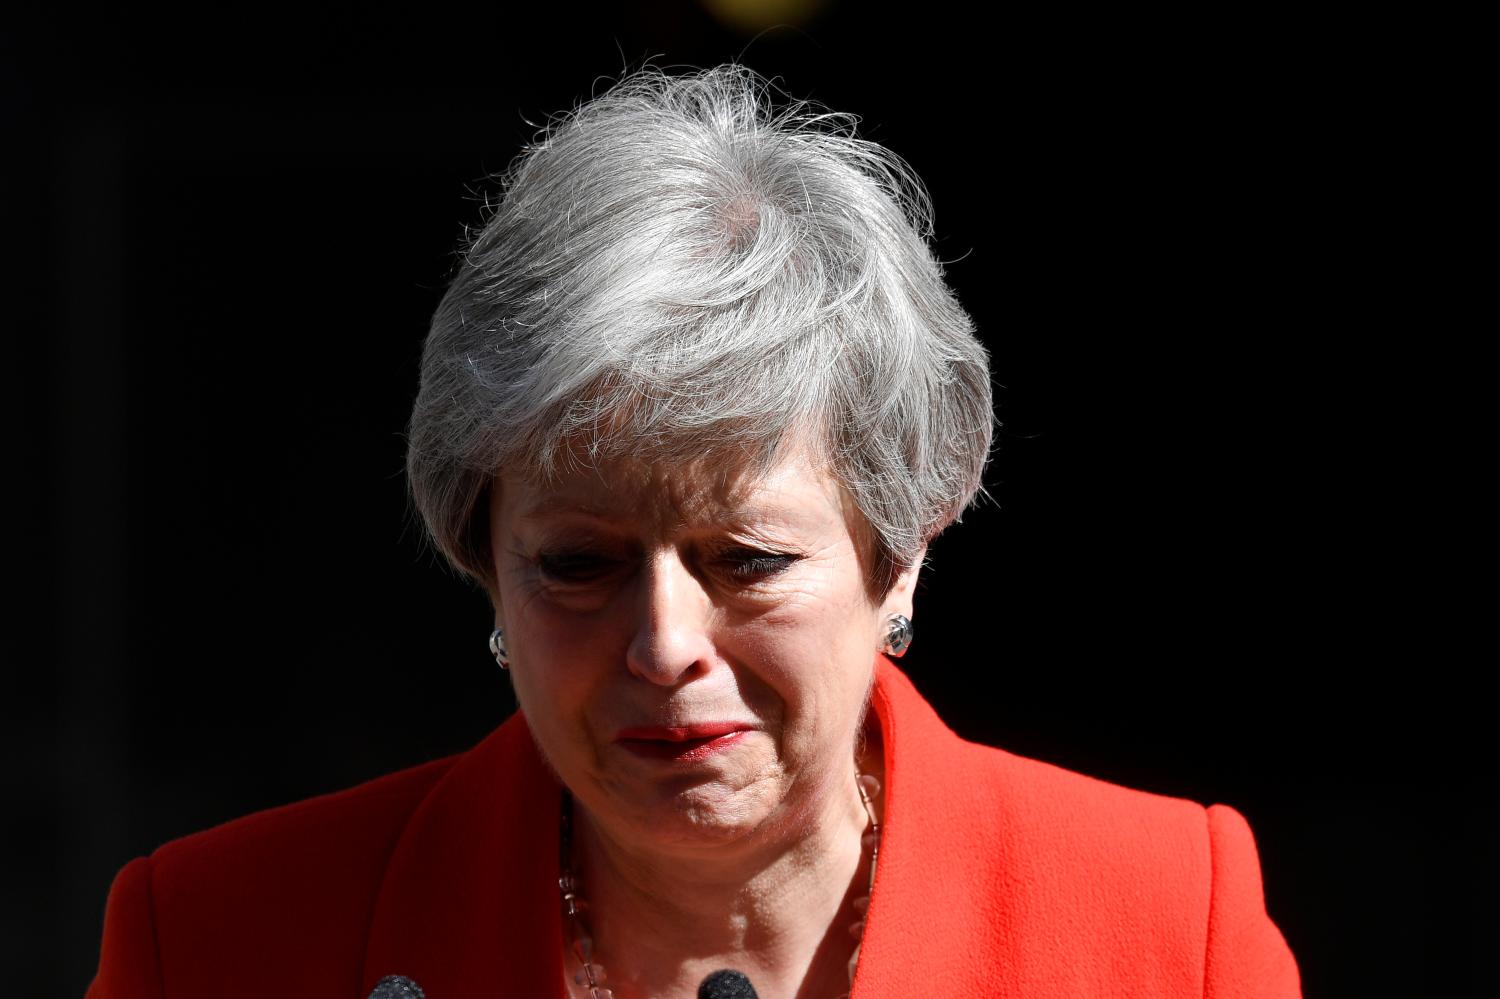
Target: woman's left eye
{"type": "Point", "coordinates": [749, 564]}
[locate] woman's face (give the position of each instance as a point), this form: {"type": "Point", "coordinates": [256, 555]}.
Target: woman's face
{"type": "Point", "coordinates": [692, 655]}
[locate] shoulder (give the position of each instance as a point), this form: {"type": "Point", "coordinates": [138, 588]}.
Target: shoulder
{"type": "Point", "coordinates": [991, 792]}
{"type": "Point", "coordinates": [1075, 836]}
{"type": "Point", "coordinates": [1076, 806]}
{"type": "Point", "coordinates": [302, 878]}
{"type": "Point", "coordinates": [1106, 889]}
{"type": "Point", "coordinates": [1161, 896]}
{"type": "Point", "coordinates": [351, 823]}
{"type": "Point", "coordinates": [1157, 895]}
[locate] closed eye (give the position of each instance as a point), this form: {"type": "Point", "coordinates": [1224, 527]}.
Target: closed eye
{"type": "Point", "coordinates": [583, 567]}
{"type": "Point", "coordinates": [749, 564]}
{"type": "Point", "coordinates": [575, 566]}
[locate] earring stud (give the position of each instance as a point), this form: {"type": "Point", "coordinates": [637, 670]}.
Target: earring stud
{"type": "Point", "coordinates": [898, 635]}
{"type": "Point", "coordinates": [497, 648]}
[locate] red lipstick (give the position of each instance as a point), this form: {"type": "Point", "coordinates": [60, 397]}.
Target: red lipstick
{"type": "Point", "coordinates": [680, 743]}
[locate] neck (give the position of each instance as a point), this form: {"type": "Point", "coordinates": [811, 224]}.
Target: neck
{"type": "Point", "coordinates": [775, 905]}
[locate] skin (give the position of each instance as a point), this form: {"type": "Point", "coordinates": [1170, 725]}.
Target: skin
{"type": "Point", "coordinates": [639, 596]}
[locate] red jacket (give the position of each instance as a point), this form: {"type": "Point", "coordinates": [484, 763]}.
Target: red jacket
{"type": "Point", "coordinates": [999, 876]}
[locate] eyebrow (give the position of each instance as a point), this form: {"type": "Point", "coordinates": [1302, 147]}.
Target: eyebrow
{"type": "Point", "coordinates": [545, 508]}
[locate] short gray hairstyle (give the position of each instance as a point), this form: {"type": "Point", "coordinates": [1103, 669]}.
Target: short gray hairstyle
{"type": "Point", "coordinates": [678, 269]}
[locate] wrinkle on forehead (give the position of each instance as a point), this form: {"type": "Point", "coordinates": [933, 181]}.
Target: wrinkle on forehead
{"type": "Point", "coordinates": [660, 481]}
{"type": "Point", "coordinates": [702, 491]}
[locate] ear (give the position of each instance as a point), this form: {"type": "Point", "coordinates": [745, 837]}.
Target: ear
{"type": "Point", "coordinates": [899, 599]}
{"type": "Point", "coordinates": [491, 512]}
{"type": "Point", "coordinates": [491, 588]}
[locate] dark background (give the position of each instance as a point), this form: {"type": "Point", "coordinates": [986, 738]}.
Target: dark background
{"type": "Point", "coordinates": [225, 234]}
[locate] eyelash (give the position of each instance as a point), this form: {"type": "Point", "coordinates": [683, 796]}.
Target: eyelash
{"type": "Point", "coordinates": [573, 567]}
{"type": "Point", "coordinates": [749, 563]}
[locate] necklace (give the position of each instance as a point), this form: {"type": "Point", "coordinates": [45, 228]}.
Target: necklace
{"type": "Point", "coordinates": [590, 974]}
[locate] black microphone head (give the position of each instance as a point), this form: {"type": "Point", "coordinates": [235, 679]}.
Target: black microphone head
{"type": "Point", "coordinates": [727, 984]}
{"type": "Point", "coordinates": [396, 987]}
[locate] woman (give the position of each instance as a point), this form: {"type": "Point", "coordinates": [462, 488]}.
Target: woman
{"type": "Point", "coordinates": [691, 410]}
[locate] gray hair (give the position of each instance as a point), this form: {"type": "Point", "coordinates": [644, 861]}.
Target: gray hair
{"type": "Point", "coordinates": [676, 270]}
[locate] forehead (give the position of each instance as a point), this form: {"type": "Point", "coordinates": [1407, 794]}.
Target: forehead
{"type": "Point", "coordinates": [793, 491]}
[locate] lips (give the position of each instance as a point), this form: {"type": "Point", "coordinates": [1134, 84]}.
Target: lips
{"type": "Point", "coordinates": [681, 743]}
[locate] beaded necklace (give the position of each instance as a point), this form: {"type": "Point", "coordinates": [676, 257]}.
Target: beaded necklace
{"type": "Point", "coordinates": [590, 975]}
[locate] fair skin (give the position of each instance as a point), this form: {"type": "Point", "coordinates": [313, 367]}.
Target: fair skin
{"type": "Point", "coordinates": [645, 601]}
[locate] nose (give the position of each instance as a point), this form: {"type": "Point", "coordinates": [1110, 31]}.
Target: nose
{"type": "Point", "coordinates": [672, 639]}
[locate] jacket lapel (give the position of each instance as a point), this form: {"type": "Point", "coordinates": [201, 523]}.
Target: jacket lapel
{"type": "Point", "coordinates": [924, 900]}
{"type": "Point", "coordinates": [469, 906]}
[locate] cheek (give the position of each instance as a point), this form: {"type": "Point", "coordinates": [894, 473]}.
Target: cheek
{"type": "Point", "coordinates": [560, 638]}
{"type": "Point", "coordinates": [558, 662]}
{"type": "Point", "coordinates": [818, 659]}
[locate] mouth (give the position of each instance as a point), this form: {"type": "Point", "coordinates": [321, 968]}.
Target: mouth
{"type": "Point", "coordinates": [681, 744]}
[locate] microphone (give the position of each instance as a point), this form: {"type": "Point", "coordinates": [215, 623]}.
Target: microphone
{"type": "Point", "coordinates": [397, 987]}
{"type": "Point", "coordinates": [727, 984]}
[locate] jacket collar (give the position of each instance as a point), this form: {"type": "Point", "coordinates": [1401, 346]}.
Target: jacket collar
{"type": "Point", "coordinates": [469, 906]}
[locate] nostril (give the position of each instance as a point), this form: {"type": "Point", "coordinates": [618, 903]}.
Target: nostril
{"type": "Point", "coordinates": [666, 660]}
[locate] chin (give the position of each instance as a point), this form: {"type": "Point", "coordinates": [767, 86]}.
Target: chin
{"type": "Point", "coordinates": [703, 815]}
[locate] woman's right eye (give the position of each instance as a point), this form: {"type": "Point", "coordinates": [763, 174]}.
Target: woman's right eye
{"type": "Point", "coordinates": [575, 567]}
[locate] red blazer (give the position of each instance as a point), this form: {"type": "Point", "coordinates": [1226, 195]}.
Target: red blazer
{"type": "Point", "coordinates": [999, 876]}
